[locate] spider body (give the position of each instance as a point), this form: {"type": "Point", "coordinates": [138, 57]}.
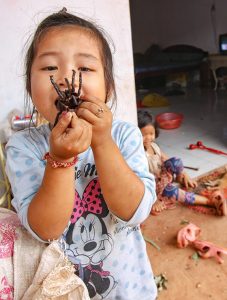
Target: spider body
{"type": "Point", "coordinates": [68, 99]}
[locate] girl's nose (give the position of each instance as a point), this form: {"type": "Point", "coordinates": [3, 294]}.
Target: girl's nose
{"type": "Point", "coordinates": [68, 80]}
{"type": "Point", "coordinates": [147, 138]}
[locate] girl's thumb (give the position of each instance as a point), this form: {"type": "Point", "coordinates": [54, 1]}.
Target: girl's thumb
{"type": "Point", "coordinates": [63, 122]}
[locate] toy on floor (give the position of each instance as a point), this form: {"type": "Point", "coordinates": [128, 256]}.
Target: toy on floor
{"type": "Point", "coordinates": [199, 145]}
{"type": "Point", "coordinates": [189, 234]}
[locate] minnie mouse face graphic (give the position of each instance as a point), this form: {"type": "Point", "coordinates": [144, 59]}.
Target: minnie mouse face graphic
{"type": "Point", "coordinates": [88, 242]}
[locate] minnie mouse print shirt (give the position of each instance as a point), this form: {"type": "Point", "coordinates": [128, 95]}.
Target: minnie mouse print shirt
{"type": "Point", "coordinates": [109, 254]}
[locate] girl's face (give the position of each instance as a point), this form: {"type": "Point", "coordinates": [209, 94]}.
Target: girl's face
{"type": "Point", "coordinates": [148, 133]}
{"type": "Point", "coordinates": [60, 51]}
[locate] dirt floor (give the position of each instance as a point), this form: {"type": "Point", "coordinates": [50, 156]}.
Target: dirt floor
{"type": "Point", "coordinates": [188, 278]}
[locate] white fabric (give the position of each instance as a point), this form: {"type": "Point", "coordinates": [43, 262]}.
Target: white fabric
{"type": "Point", "coordinates": [31, 270]}
{"type": "Point", "coordinates": [155, 160]}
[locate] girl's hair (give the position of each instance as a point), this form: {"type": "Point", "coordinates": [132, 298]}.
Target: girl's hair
{"type": "Point", "coordinates": [63, 18]}
{"type": "Point", "coordinates": [145, 118]}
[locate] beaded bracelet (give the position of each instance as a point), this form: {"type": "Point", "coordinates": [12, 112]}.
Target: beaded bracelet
{"type": "Point", "coordinates": [59, 164]}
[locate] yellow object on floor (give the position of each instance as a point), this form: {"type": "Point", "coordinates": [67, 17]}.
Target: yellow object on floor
{"type": "Point", "coordinates": [155, 100]}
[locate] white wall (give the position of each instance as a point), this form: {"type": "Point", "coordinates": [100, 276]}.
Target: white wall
{"type": "Point", "coordinates": [178, 22]}
{"type": "Point", "coordinates": [19, 18]}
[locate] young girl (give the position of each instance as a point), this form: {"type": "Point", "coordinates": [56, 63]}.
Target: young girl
{"type": "Point", "coordinates": [83, 178]}
{"type": "Point", "coordinates": [166, 170]}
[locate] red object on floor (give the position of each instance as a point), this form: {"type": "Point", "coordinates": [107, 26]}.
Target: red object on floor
{"type": "Point", "coordinates": [199, 145]}
{"type": "Point", "coordinates": [169, 120]}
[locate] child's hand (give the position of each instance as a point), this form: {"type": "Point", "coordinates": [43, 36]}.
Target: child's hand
{"type": "Point", "coordinates": [186, 181]}
{"type": "Point", "coordinates": [95, 112]}
{"type": "Point", "coordinates": [69, 137]}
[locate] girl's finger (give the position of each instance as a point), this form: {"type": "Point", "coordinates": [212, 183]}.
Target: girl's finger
{"type": "Point", "coordinates": [63, 123]}
{"type": "Point", "coordinates": [194, 184]}
{"type": "Point", "coordinates": [85, 138]}
{"type": "Point", "coordinates": [74, 120]}
{"type": "Point", "coordinates": [95, 108]}
{"type": "Point", "coordinates": [87, 115]}
{"type": "Point", "coordinates": [78, 127]}
{"type": "Point", "coordinates": [77, 123]}
{"type": "Point", "coordinates": [91, 99]}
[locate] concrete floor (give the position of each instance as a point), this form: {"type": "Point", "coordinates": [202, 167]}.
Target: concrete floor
{"type": "Point", "coordinates": [205, 119]}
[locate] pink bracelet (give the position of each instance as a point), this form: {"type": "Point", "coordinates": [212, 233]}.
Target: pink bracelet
{"type": "Point", "coordinates": [58, 164]}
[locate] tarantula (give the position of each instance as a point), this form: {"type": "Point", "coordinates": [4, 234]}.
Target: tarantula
{"type": "Point", "coordinates": [68, 99]}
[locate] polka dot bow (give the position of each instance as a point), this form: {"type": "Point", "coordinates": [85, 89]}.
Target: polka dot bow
{"type": "Point", "coordinates": [90, 202]}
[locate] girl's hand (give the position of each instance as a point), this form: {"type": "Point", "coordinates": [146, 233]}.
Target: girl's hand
{"type": "Point", "coordinates": [186, 181]}
{"type": "Point", "coordinates": [69, 137]}
{"type": "Point", "coordinates": [96, 113]}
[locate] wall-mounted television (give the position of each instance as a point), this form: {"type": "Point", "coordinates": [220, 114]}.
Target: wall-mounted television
{"type": "Point", "coordinates": [223, 43]}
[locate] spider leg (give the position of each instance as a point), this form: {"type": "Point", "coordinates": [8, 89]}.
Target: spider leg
{"type": "Point", "coordinates": [80, 85]}
{"type": "Point", "coordinates": [61, 107]}
{"type": "Point", "coordinates": [73, 81]}
{"type": "Point", "coordinates": [67, 95]}
{"type": "Point", "coordinates": [60, 94]}
{"type": "Point", "coordinates": [69, 91]}
{"type": "Point", "coordinates": [68, 85]}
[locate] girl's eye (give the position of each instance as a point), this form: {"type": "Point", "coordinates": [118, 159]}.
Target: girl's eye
{"type": "Point", "coordinates": [49, 68]}
{"type": "Point", "coordinates": [84, 69]}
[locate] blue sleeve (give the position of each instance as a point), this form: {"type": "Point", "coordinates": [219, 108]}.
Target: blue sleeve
{"type": "Point", "coordinates": [25, 170]}
{"type": "Point", "coordinates": [131, 147]}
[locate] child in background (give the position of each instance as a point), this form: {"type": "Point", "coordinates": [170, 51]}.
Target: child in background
{"type": "Point", "coordinates": [166, 170]}
{"type": "Point", "coordinates": [84, 181]}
